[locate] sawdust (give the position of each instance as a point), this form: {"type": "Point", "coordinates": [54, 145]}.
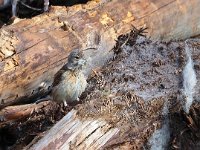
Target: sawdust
{"type": "Point", "coordinates": [129, 93]}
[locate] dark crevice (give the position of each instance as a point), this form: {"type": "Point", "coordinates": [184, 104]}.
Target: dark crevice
{"type": "Point", "coordinates": [8, 137]}
{"type": "Point", "coordinates": [24, 12]}
{"type": "Point", "coordinates": [68, 2]}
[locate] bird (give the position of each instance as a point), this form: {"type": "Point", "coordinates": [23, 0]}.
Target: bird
{"type": "Point", "coordinates": [69, 82]}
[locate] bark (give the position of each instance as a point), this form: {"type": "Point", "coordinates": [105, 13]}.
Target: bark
{"type": "Point", "coordinates": [12, 113]}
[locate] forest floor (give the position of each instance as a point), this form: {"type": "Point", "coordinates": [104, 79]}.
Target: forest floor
{"type": "Point", "coordinates": [136, 91]}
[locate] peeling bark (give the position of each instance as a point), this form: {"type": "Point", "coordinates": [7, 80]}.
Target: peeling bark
{"type": "Point", "coordinates": [12, 113]}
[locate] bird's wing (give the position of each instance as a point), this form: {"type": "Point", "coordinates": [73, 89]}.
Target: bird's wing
{"type": "Point", "coordinates": [58, 75]}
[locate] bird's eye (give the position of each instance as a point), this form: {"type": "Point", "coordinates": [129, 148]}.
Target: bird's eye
{"type": "Point", "coordinates": [77, 57]}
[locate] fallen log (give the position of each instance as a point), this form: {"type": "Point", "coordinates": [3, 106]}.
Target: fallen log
{"type": "Point", "coordinates": [88, 134]}
{"type": "Point", "coordinates": [32, 50]}
{"type": "Point", "coordinates": [12, 113]}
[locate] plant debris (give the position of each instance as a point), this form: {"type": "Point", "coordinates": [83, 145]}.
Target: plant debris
{"type": "Point", "coordinates": [129, 93]}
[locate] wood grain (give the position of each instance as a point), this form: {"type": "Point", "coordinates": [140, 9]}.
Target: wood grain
{"type": "Point", "coordinates": [72, 133]}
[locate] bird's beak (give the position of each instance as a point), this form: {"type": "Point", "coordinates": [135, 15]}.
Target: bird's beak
{"type": "Point", "coordinates": [82, 62]}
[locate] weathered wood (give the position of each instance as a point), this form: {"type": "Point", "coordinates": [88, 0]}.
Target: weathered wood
{"type": "Point", "coordinates": [12, 113]}
{"type": "Point", "coordinates": [72, 133]}
{"type": "Point", "coordinates": [32, 50]}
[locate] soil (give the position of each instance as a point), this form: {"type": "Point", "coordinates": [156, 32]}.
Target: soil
{"type": "Point", "coordinates": [129, 92]}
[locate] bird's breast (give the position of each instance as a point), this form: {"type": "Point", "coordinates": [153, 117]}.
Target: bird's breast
{"type": "Point", "coordinates": [71, 86]}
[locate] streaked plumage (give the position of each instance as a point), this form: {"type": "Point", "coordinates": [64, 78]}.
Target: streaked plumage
{"type": "Point", "coordinates": [69, 81]}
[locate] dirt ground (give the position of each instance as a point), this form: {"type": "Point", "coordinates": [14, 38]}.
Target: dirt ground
{"type": "Point", "coordinates": [129, 92]}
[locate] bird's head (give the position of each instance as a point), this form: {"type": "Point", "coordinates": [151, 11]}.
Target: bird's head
{"type": "Point", "coordinates": [76, 60]}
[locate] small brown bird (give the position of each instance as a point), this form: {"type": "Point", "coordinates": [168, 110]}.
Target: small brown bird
{"type": "Point", "coordinates": [69, 82]}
